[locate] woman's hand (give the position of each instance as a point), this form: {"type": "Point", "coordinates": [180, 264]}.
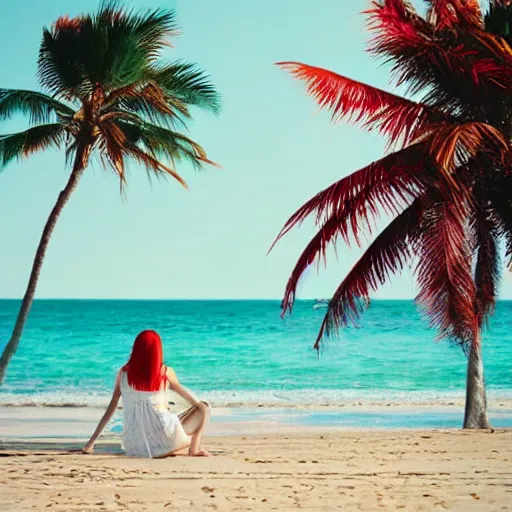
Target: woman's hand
{"type": "Point", "coordinates": [88, 448]}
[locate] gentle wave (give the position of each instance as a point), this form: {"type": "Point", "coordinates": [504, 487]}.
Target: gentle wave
{"type": "Point", "coordinates": [242, 354]}
{"type": "Point", "coordinates": [263, 398]}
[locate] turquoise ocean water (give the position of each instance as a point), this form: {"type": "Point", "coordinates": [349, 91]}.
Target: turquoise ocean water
{"type": "Point", "coordinates": [236, 352]}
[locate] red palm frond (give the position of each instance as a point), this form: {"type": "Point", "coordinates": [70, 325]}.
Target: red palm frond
{"type": "Point", "coordinates": [392, 115]}
{"type": "Point", "coordinates": [447, 289]}
{"type": "Point", "coordinates": [398, 25]}
{"type": "Point", "coordinates": [497, 46]}
{"type": "Point", "coordinates": [316, 249]}
{"type": "Point", "coordinates": [487, 267]}
{"type": "Point", "coordinates": [387, 255]}
{"type": "Point", "coordinates": [470, 11]}
{"type": "Point", "coordinates": [452, 13]}
{"type": "Point", "coordinates": [442, 14]}
{"type": "Point", "coordinates": [454, 145]}
{"type": "Point", "coordinates": [388, 183]}
{"type": "Point", "coordinates": [424, 57]}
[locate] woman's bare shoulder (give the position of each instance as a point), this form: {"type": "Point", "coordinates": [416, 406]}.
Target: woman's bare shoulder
{"type": "Point", "coordinates": [171, 374]}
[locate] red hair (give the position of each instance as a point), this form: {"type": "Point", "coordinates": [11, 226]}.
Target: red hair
{"type": "Point", "coordinates": [144, 368]}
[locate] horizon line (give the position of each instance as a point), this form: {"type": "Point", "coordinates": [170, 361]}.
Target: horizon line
{"type": "Point", "coordinates": [198, 299]}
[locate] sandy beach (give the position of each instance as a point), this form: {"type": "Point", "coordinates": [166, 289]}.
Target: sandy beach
{"type": "Point", "coordinates": [347, 470]}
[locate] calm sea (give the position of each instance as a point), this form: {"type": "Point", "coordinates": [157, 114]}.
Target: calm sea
{"type": "Point", "coordinates": [235, 352]}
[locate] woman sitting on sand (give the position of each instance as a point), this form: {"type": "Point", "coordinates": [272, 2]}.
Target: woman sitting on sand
{"type": "Point", "coordinates": [150, 429]}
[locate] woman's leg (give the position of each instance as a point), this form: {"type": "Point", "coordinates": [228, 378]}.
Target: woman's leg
{"type": "Point", "coordinates": [194, 421]}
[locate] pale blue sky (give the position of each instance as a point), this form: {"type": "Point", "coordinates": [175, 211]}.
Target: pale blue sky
{"type": "Point", "coordinates": [275, 149]}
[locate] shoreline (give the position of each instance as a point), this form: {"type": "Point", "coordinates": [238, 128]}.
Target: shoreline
{"type": "Point", "coordinates": [495, 399]}
{"type": "Point", "coordinates": [494, 402]}
{"type": "Point", "coordinates": [79, 422]}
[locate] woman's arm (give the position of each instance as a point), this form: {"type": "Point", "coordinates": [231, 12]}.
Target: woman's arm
{"type": "Point", "coordinates": [89, 447]}
{"type": "Point", "coordinates": [175, 385]}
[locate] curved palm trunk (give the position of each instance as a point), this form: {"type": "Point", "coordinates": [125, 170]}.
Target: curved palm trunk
{"type": "Point", "coordinates": [475, 415]}
{"type": "Point", "coordinates": [81, 159]}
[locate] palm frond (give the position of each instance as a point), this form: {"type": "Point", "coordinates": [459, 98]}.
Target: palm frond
{"type": "Point", "coordinates": [152, 165]}
{"type": "Point", "coordinates": [389, 183]}
{"type": "Point", "coordinates": [113, 48]}
{"type": "Point", "coordinates": [111, 145]}
{"type": "Point", "coordinates": [487, 267]}
{"type": "Point", "coordinates": [454, 145]}
{"type": "Point", "coordinates": [20, 145]}
{"type": "Point", "coordinates": [148, 101]}
{"type": "Point", "coordinates": [445, 281]}
{"type": "Point", "coordinates": [495, 47]}
{"type": "Point", "coordinates": [446, 14]}
{"type": "Point", "coordinates": [498, 20]}
{"type": "Point", "coordinates": [162, 142]}
{"type": "Point", "coordinates": [436, 63]}
{"type": "Point", "coordinates": [133, 42]}
{"type": "Point", "coordinates": [59, 72]}
{"type": "Point", "coordinates": [39, 107]}
{"type": "Point", "coordinates": [387, 255]}
{"type": "Point", "coordinates": [186, 83]}
{"type": "Point", "coordinates": [152, 30]}
{"type": "Point", "coordinates": [398, 118]}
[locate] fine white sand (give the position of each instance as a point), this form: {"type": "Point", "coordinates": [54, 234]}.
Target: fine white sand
{"type": "Point", "coordinates": [349, 470]}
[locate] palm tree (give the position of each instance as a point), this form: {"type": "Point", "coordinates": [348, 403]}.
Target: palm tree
{"type": "Point", "coordinates": [446, 179]}
{"type": "Point", "coordinates": [107, 90]}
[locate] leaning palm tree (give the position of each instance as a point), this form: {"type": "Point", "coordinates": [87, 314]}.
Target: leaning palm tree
{"type": "Point", "coordinates": [446, 180]}
{"type": "Point", "coordinates": [105, 90]}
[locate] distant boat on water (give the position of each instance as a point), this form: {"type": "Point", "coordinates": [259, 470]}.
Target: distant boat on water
{"type": "Point", "coordinates": [321, 304]}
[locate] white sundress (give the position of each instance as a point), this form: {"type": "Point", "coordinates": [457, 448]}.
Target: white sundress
{"type": "Point", "coordinates": [150, 429]}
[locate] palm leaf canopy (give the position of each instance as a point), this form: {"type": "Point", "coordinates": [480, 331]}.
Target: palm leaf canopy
{"type": "Point", "coordinates": [447, 183]}
{"type": "Point", "coordinates": [105, 84]}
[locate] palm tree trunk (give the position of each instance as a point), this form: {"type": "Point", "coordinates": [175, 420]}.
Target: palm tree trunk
{"type": "Point", "coordinates": [475, 415]}
{"type": "Point", "coordinates": [81, 159]}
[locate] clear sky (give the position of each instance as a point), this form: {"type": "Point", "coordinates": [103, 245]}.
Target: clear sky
{"type": "Point", "coordinates": [275, 149]}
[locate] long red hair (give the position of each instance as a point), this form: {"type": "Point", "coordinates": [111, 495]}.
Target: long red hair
{"type": "Point", "coordinates": [145, 366]}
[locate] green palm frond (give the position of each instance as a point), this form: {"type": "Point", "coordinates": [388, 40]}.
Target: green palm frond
{"type": "Point", "coordinates": [130, 43]}
{"type": "Point", "coordinates": [113, 48]}
{"type": "Point", "coordinates": [150, 103]}
{"type": "Point", "coordinates": [19, 145]}
{"type": "Point", "coordinates": [174, 114]}
{"type": "Point", "coordinates": [187, 83]}
{"type": "Point", "coordinates": [165, 143]}
{"type": "Point", "coordinates": [153, 166]}
{"type": "Point", "coordinates": [152, 30]}
{"type": "Point", "coordinates": [110, 63]}
{"type": "Point", "coordinates": [39, 107]}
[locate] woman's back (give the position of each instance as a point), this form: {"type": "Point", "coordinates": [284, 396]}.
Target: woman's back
{"type": "Point", "coordinates": [149, 428]}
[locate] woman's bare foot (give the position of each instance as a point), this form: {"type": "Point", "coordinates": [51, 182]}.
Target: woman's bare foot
{"type": "Point", "coordinates": [200, 453]}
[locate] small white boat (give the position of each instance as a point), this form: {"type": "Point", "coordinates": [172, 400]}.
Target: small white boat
{"type": "Point", "coordinates": [321, 304]}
